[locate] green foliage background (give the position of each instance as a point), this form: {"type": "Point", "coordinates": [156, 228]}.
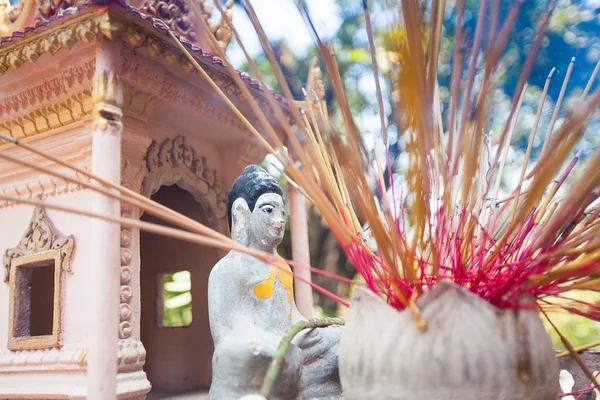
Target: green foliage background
{"type": "Point", "coordinates": [177, 299]}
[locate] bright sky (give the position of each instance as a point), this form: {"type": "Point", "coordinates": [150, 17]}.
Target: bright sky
{"type": "Point", "coordinates": [282, 20]}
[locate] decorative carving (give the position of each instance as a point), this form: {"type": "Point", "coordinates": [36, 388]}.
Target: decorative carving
{"type": "Point", "coordinates": [66, 35]}
{"type": "Point", "coordinates": [151, 78]}
{"type": "Point", "coordinates": [66, 112]}
{"type": "Point", "coordinates": [14, 17]}
{"type": "Point", "coordinates": [131, 356]}
{"type": "Point", "coordinates": [221, 30]}
{"type": "Point", "coordinates": [13, 55]}
{"type": "Point", "coordinates": [177, 15]}
{"type": "Point", "coordinates": [57, 87]}
{"type": "Point", "coordinates": [174, 13]}
{"type": "Point", "coordinates": [224, 32]}
{"type": "Point", "coordinates": [48, 187]}
{"type": "Point", "coordinates": [125, 275]}
{"type": "Point", "coordinates": [132, 174]}
{"type": "Point", "coordinates": [173, 92]}
{"type": "Point", "coordinates": [174, 161]}
{"type": "Point", "coordinates": [252, 153]}
{"type": "Point", "coordinates": [137, 104]}
{"type": "Point", "coordinates": [10, 13]}
{"type": "Point", "coordinates": [72, 356]}
{"type": "Point", "coordinates": [41, 245]}
{"type": "Point", "coordinates": [124, 330]}
{"type": "Point", "coordinates": [107, 95]}
{"type": "Point", "coordinates": [41, 236]}
{"type": "Point", "coordinates": [125, 312]}
{"type": "Point", "coordinates": [156, 47]}
{"type": "Point", "coordinates": [49, 8]}
{"type": "Point", "coordinates": [126, 292]}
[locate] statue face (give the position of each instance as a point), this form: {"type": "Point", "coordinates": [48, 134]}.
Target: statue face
{"type": "Point", "coordinates": [264, 227]}
{"type": "Point", "coordinates": [267, 225]}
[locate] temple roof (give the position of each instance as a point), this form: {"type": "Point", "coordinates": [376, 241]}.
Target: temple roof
{"type": "Point", "coordinates": [17, 48]}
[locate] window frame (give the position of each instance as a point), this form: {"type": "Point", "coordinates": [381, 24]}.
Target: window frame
{"type": "Point", "coordinates": [34, 261]}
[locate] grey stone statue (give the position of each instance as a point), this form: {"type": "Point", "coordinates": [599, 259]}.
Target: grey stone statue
{"type": "Point", "coordinates": [251, 305]}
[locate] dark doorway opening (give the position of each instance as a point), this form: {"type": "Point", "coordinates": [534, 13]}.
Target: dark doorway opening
{"type": "Point", "coordinates": [179, 346]}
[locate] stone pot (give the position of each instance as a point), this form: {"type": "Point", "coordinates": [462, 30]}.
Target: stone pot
{"type": "Point", "coordinates": [470, 350]}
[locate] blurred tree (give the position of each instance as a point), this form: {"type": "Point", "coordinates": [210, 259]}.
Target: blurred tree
{"type": "Point", "coordinates": [578, 330]}
{"type": "Point", "coordinates": [573, 32]}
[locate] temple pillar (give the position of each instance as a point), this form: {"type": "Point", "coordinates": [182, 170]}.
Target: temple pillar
{"type": "Point", "coordinates": [105, 258]}
{"type": "Point", "coordinates": [300, 251]}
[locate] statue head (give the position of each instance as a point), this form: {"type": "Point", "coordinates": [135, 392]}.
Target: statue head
{"type": "Point", "coordinates": [256, 210]}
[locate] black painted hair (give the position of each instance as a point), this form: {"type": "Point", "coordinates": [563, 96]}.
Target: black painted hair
{"type": "Point", "coordinates": [250, 185]}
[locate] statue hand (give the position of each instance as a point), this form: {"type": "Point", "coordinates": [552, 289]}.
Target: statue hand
{"type": "Point", "coordinates": [308, 338]}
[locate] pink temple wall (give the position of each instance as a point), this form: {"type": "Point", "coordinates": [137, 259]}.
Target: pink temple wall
{"type": "Point", "coordinates": [212, 136]}
{"type": "Point", "coordinates": [70, 379]}
{"type": "Point", "coordinates": [189, 364]}
{"type": "Point", "coordinates": [17, 217]}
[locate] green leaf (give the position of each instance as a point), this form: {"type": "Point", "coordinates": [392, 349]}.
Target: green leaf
{"type": "Point", "coordinates": [182, 276]}
{"type": "Point", "coordinates": [178, 301]}
{"type": "Point", "coordinates": [177, 287]}
{"type": "Point", "coordinates": [360, 56]}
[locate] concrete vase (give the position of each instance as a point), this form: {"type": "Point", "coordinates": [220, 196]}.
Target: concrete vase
{"type": "Point", "coordinates": [470, 350]}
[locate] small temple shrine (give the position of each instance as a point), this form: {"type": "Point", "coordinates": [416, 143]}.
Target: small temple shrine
{"type": "Point", "coordinates": [101, 85]}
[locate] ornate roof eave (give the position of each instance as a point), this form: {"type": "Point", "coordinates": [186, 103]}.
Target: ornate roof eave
{"type": "Point", "coordinates": [87, 22]}
{"type": "Point", "coordinates": [59, 32]}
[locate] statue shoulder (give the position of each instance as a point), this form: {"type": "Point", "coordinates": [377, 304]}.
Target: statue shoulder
{"type": "Point", "coordinates": [238, 270]}
{"type": "Point", "coordinates": [227, 277]}
{"type": "Point", "coordinates": [227, 267]}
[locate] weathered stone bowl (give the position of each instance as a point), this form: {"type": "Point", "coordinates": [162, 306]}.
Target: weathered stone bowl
{"type": "Point", "coordinates": [470, 350]}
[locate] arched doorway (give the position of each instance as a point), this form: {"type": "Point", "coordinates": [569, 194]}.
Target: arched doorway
{"type": "Point", "coordinates": [179, 346]}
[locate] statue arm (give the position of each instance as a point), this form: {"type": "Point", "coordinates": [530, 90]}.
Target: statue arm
{"type": "Point", "coordinates": [225, 314]}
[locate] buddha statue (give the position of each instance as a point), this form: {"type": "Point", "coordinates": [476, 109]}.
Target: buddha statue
{"type": "Point", "coordinates": [251, 305]}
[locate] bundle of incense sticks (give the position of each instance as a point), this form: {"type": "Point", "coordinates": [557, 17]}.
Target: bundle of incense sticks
{"type": "Point", "coordinates": [450, 224]}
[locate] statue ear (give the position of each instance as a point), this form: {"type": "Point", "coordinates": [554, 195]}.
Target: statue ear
{"type": "Point", "coordinates": [240, 219]}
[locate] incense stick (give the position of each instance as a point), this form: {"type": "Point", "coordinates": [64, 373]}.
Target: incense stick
{"type": "Point", "coordinates": [561, 95]}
